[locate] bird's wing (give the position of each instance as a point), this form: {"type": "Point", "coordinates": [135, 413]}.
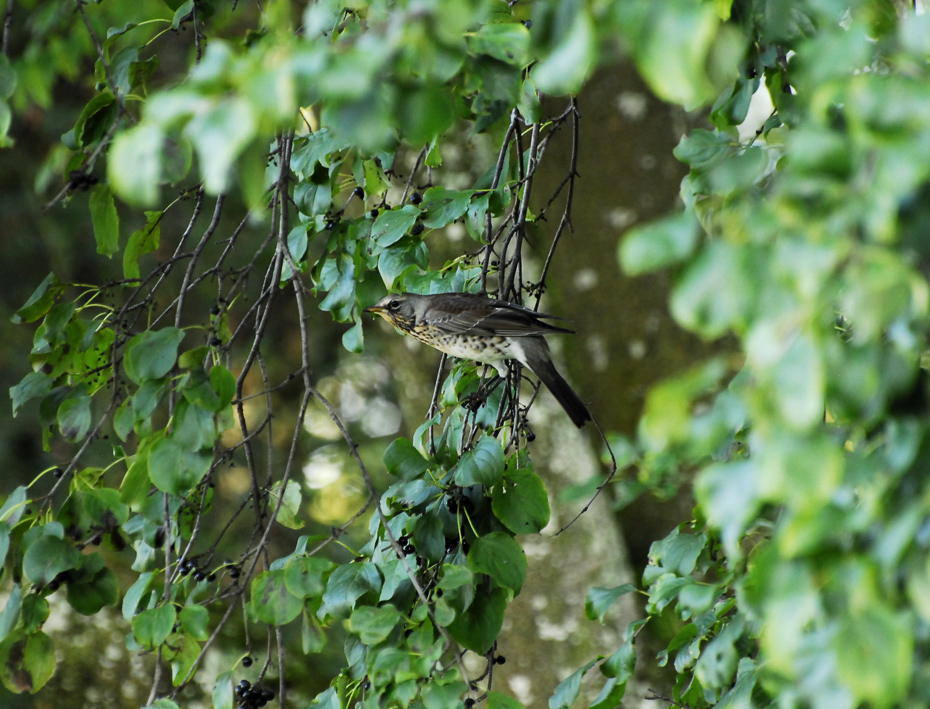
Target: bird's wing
{"type": "Point", "coordinates": [484, 316]}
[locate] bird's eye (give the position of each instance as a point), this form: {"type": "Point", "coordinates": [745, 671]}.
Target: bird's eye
{"type": "Point", "coordinates": [394, 305]}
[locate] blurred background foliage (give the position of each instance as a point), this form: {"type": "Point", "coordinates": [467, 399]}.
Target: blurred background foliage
{"type": "Point", "coordinates": [218, 188]}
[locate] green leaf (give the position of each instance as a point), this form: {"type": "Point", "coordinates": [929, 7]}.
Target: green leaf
{"type": "Point", "coordinates": [223, 688]}
{"type": "Point", "coordinates": [601, 598]}
{"type": "Point", "coordinates": [728, 494]}
{"type": "Point", "coordinates": [481, 465]}
{"type": "Point", "coordinates": [194, 428]}
{"type": "Point", "coordinates": [621, 664]}
{"type": "Point", "coordinates": [345, 586]}
{"type": "Point", "coordinates": [305, 576]}
{"type": "Point", "coordinates": [442, 206]}
{"type": "Point", "coordinates": [220, 133]}
{"type": "Point", "coordinates": [12, 509]}
{"type": "Point", "coordinates": [74, 418]}
{"type": "Point", "coordinates": [134, 595]}
{"type": "Point", "coordinates": [521, 502]}
{"type": "Point", "coordinates": [395, 261]}
{"type": "Point", "coordinates": [312, 638]}
{"type": "Point", "coordinates": [33, 385]}
{"type": "Point", "coordinates": [41, 300]}
{"type": "Point", "coordinates": [505, 41]}
{"type": "Point", "coordinates": [499, 556]}
{"type": "Point", "coordinates": [677, 46]}
{"type": "Point", "coordinates": [717, 290]}
{"type": "Point", "coordinates": [93, 587]}
{"type": "Point", "coordinates": [880, 679]}
{"type": "Point", "coordinates": [27, 662]}
{"type": "Point", "coordinates": [289, 513]}
{"type": "Point", "coordinates": [96, 119]}
{"type": "Point", "coordinates": [152, 627]}
{"type": "Point", "coordinates": [35, 612]}
{"type": "Point", "coordinates": [175, 469]}
{"type": "Point", "coordinates": [678, 552]}
{"type": "Point", "coordinates": [271, 602]}
{"type": "Point", "coordinates": [181, 11]}
{"type": "Point", "coordinates": [567, 691]}
{"type": "Point", "coordinates": [327, 699]}
{"type": "Point", "coordinates": [7, 78]}
{"type": "Point", "coordinates": [660, 244]}
{"type": "Point", "coordinates": [4, 544]}
{"type": "Point", "coordinates": [404, 461]}
{"type": "Point", "coordinates": [478, 627]}
{"type": "Point", "coordinates": [717, 664]}
{"type": "Point", "coordinates": [134, 165]}
{"type": "Point", "coordinates": [373, 624]}
{"type": "Point", "coordinates": [136, 483]}
{"type": "Point", "coordinates": [162, 704]}
{"type": "Point", "coordinates": [10, 615]}
{"type": "Point", "coordinates": [105, 219]}
{"type": "Point", "coordinates": [497, 700]}
{"type": "Point", "coordinates": [224, 384]}
{"type": "Point", "coordinates": [194, 622]}
{"type": "Point", "coordinates": [424, 113]}
{"type": "Point", "coordinates": [392, 225]}
{"type": "Point", "coordinates": [338, 277]}
{"type": "Point", "coordinates": [152, 354]}
{"type": "Point", "coordinates": [455, 576]}
{"type": "Point", "coordinates": [353, 339]}
{"type": "Point", "coordinates": [571, 60]}
{"type": "Point", "coordinates": [47, 557]}
{"type": "Point", "coordinates": [142, 241]}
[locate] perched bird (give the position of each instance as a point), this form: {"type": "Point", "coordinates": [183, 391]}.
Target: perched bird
{"type": "Point", "coordinates": [486, 330]}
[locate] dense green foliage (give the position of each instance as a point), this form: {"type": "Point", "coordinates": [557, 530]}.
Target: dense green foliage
{"type": "Point", "coordinates": [316, 133]}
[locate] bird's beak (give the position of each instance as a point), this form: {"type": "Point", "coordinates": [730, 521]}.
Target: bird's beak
{"type": "Point", "coordinates": [376, 309]}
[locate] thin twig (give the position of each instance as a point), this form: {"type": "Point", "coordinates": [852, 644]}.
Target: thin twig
{"type": "Point", "coordinates": [7, 23]}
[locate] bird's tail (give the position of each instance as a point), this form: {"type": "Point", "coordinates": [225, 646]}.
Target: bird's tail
{"type": "Point", "coordinates": [540, 362]}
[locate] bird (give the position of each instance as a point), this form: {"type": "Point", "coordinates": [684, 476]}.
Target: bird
{"type": "Point", "coordinates": [476, 327]}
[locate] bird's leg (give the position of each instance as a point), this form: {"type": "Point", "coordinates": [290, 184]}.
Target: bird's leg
{"type": "Point", "coordinates": [477, 398]}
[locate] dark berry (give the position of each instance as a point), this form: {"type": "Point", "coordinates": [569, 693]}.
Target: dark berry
{"type": "Point", "coordinates": [246, 662]}
{"type": "Point", "coordinates": [416, 229]}
{"type": "Point", "coordinates": [438, 593]}
{"type": "Point", "coordinates": [58, 472]}
{"type": "Point", "coordinates": [235, 572]}
{"type": "Point", "coordinates": [211, 578]}
{"type": "Point", "coordinates": [359, 192]}
{"type": "Point", "coordinates": [215, 309]}
{"type": "Point", "coordinates": [527, 23]}
{"type": "Point", "coordinates": [500, 659]}
{"type": "Point", "coordinates": [200, 576]}
{"type": "Point", "coordinates": [245, 684]}
{"type": "Point", "coordinates": [374, 213]}
{"type": "Point", "coordinates": [409, 549]}
{"type": "Point", "coordinates": [215, 341]}
{"type": "Point", "coordinates": [416, 198]}
{"type": "Point", "coordinates": [469, 702]}
{"type": "Point", "coordinates": [403, 540]}
{"type": "Point", "coordinates": [465, 547]}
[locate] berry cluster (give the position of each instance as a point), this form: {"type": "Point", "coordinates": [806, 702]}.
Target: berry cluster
{"type": "Point", "coordinates": [199, 574]}
{"type": "Point", "coordinates": [250, 697]}
{"type": "Point", "coordinates": [404, 542]}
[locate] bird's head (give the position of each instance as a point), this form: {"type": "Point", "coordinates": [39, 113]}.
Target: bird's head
{"type": "Point", "coordinates": [399, 310]}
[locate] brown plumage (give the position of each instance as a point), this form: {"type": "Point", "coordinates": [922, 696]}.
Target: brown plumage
{"type": "Point", "coordinates": [485, 330]}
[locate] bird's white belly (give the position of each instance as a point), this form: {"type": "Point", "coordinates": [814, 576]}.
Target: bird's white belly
{"type": "Point", "coordinates": [491, 350]}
